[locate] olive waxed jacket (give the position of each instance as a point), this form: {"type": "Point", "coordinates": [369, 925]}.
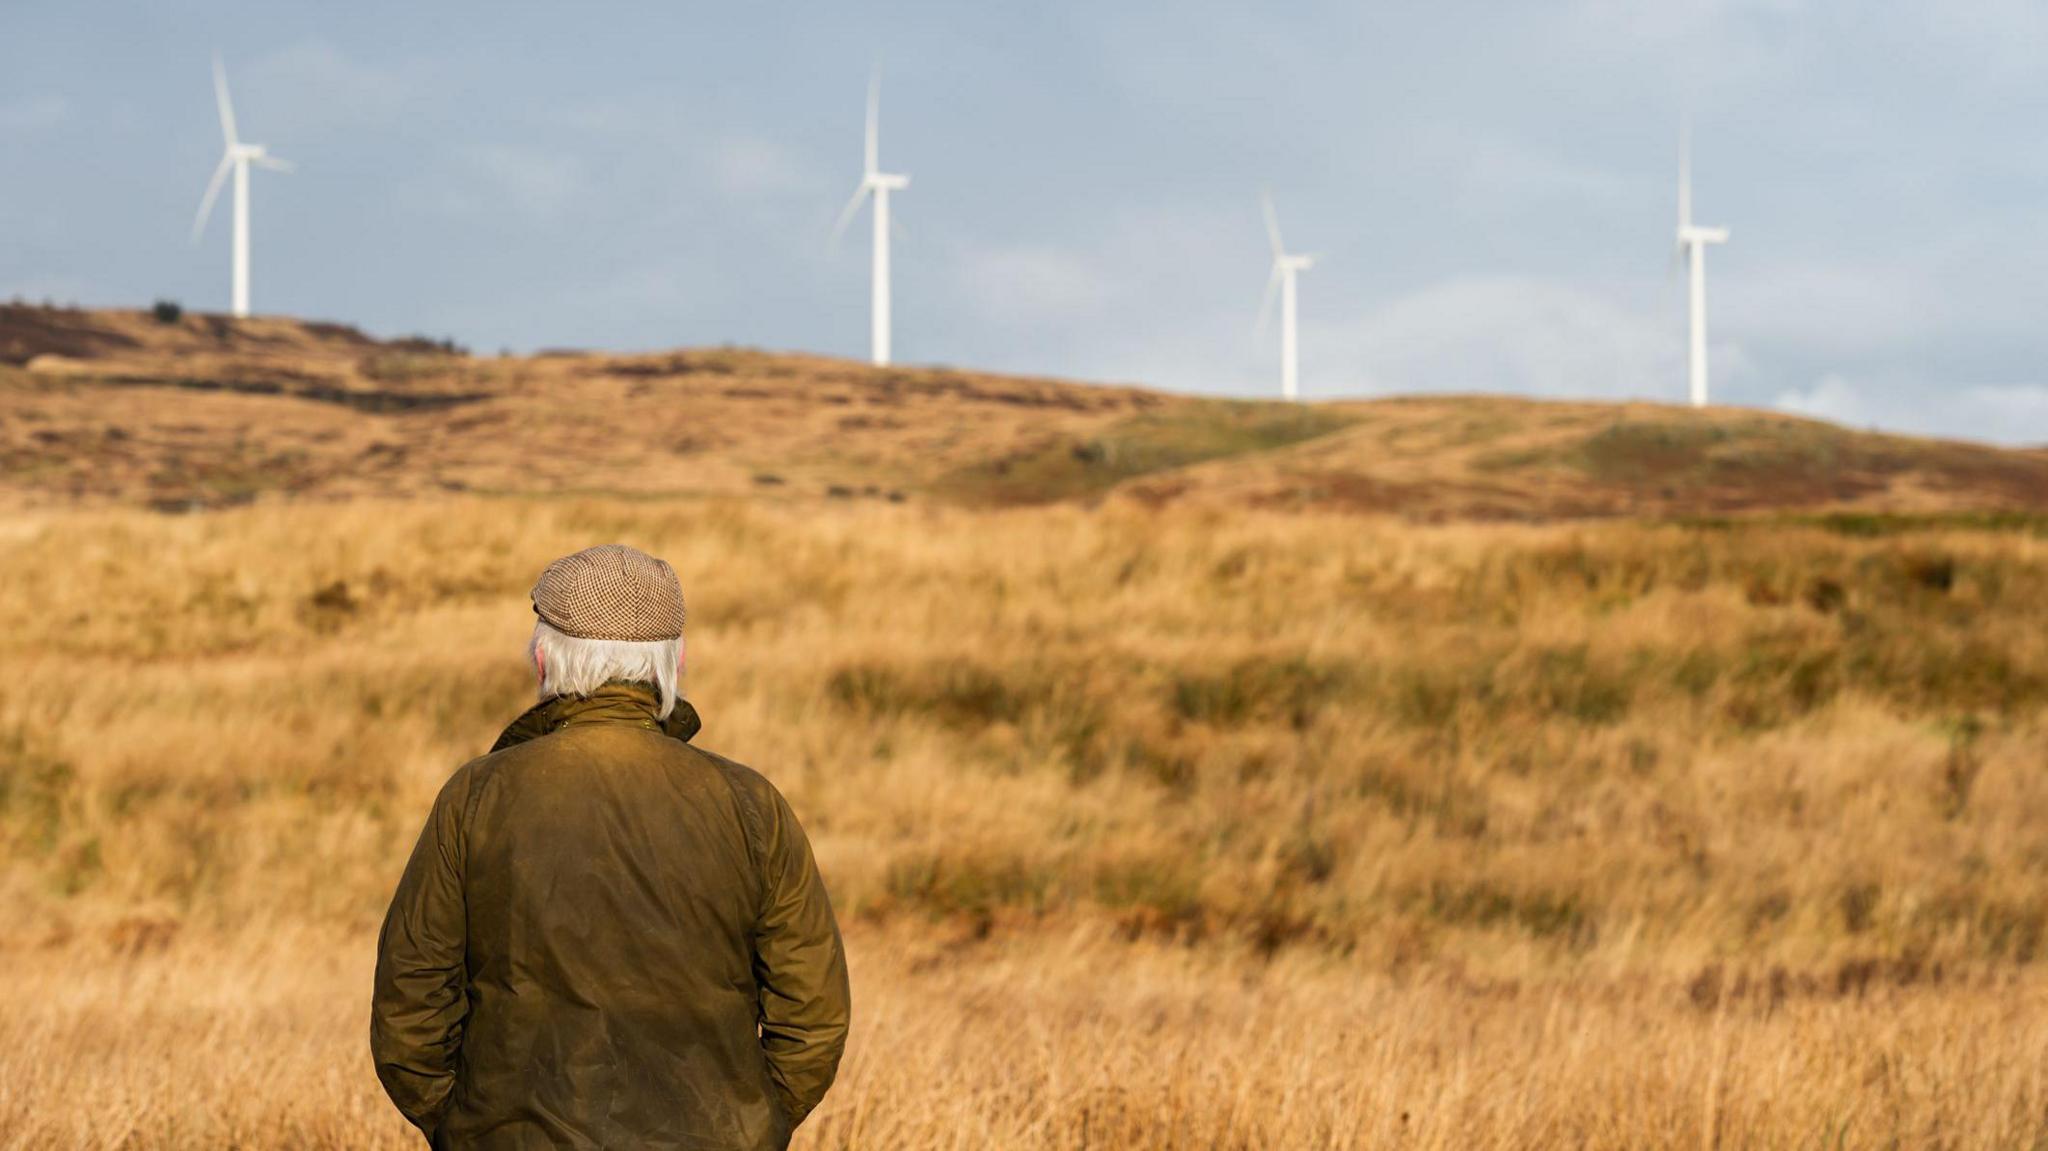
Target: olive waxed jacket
{"type": "Point", "coordinates": [607, 938]}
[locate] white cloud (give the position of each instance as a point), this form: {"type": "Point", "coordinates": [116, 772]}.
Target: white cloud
{"type": "Point", "coordinates": [1504, 334]}
{"type": "Point", "coordinates": [1830, 398]}
{"type": "Point", "coordinates": [538, 185]}
{"type": "Point", "coordinates": [1501, 172]}
{"type": "Point", "coordinates": [2001, 413]}
{"type": "Point", "coordinates": [748, 166]}
{"type": "Point", "coordinates": [1672, 19]}
{"type": "Point", "coordinates": [313, 85]}
{"type": "Point", "coordinates": [616, 122]}
{"type": "Point", "coordinates": [2003, 36]}
{"type": "Point", "coordinates": [1120, 299]}
{"type": "Point", "coordinates": [1033, 284]}
{"type": "Point", "coordinates": [1827, 309]}
{"type": "Point", "coordinates": [33, 113]}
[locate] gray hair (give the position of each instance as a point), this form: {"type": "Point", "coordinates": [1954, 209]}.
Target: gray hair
{"type": "Point", "coordinates": [572, 666]}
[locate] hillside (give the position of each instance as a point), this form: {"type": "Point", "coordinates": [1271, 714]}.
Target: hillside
{"type": "Point", "coordinates": [1663, 828]}
{"type": "Point", "coordinates": [1603, 833]}
{"type": "Point", "coordinates": [106, 407]}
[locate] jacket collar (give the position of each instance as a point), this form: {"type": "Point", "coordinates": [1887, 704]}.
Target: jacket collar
{"type": "Point", "coordinates": [615, 702]}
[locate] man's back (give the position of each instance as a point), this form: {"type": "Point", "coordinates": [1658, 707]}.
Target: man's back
{"type": "Point", "coordinates": [646, 957]}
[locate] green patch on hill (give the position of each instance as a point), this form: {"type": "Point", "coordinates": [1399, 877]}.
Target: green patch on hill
{"type": "Point", "coordinates": [1768, 461]}
{"type": "Point", "coordinates": [1082, 466]}
{"type": "Point", "coordinates": [1885, 525]}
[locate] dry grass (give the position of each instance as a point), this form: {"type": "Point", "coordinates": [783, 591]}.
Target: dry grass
{"type": "Point", "coordinates": [106, 407]}
{"type": "Point", "coordinates": [1187, 829]}
{"type": "Point", "coordinates": [1066, 1040]}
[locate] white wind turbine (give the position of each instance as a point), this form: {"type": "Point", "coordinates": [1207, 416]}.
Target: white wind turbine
{"type": "Point", "coordinates": [1285, 267]}
{"type": "Point", "coordinates": [1692, 248]}
{"type": "Point", "coordinates": [879, 184]}
{"type": "Point", "coordinates": [237, 158]}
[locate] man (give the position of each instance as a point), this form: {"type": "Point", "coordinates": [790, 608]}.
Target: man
{"type": "Point", "coordinates": [607, 937]}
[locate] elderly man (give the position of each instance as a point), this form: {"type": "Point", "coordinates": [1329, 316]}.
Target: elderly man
{"type": "Point", "coordinates": [607, 937]}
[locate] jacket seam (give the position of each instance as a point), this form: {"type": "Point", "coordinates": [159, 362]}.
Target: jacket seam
{"type": "Point", "coordinates": [756, 849]}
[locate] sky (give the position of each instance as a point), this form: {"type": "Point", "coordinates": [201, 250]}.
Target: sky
{"type": "Point", "coordinates": [1491, 187]}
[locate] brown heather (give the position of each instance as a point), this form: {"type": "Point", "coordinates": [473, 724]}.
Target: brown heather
{"type": "Point", "coordinates": [1190, 827]}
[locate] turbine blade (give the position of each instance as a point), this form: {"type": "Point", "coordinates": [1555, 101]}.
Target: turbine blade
{"type": "Point", "coordinates": [1272, 224]}
{"type": "Point", "coordinates": [275, 164]}
{"type": "Point", "coordinates": [220, 175]}
{"type": "Point", "coordinates": [1266, 302]}
{"type": "Point", "coordinates": [220, 95]}
{"type": "Point", "coordinates": [873, 153]}
{"type": "Point", "coordinates": [852, 210]}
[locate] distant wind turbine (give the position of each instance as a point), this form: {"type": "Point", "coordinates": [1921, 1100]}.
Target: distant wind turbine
{"type": "Point", "coordinates": [237, 158]}
{"type": "Point", "coordinates": [1285, 267]}
{"type": "Point", "coordinates": [877, 183]}
{"type": "Point", "coordinates": [1692, 248]}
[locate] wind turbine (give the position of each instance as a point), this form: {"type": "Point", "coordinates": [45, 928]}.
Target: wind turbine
{"type": "Point", "coordinates": [1692, 248]}
{"type": "Point", "coordinates": [237, 158]}
{"type": "Point", "coordinates": [1285, 267]}
{"type": "Point", "coordinates": [879, 184]}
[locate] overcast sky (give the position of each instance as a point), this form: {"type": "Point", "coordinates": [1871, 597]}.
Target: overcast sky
{"type": "Point", "coordinates": [1491, 185]}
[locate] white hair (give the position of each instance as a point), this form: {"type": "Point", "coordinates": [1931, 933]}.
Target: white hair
{"type": "Point", "coordinates": [572, 666]}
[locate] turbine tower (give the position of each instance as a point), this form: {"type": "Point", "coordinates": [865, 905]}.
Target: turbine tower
{"type": "Point", "coordinates": [1285, 267]}
{"type": "Point", "coordinates": [237, 158]}
{"type": "Point", "coordinates": [1692, 248]}
{"type": "Point", "coordinates": [877, 183]}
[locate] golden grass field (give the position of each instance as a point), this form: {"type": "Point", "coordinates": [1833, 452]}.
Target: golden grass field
{"type": "Point", "coordinates": [1184, 830]}
{"type": "Point", "coordinates": [1186, 774]}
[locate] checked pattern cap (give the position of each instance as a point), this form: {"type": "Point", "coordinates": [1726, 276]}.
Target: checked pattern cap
{"type": "Point", "coordinates": [611, 592]}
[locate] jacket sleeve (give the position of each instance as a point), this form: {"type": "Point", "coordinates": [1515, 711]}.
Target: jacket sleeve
{"type": "Point", "coordinates": [420, 997]}
{"type": "Point", "coordinates": [800, 968]}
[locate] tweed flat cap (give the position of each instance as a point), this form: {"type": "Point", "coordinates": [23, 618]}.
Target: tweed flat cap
{"type": "Point", "coordinates": [611, 592]}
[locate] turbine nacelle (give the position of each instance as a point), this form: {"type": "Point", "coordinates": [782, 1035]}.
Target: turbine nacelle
{"type": "Point", "coordinates": [1689, 233]}
{"type": "Point", "coordinates": [875, 186]}
{"type": "Point", "coordinates": [1692, 246]}
{"type": "Point", "coordinates": [1286, 265]}
{"type": "Point", "coordinates": [236, 160]}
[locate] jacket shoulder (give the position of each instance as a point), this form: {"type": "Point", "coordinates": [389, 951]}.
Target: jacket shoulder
{"type": "Point", "coordinates": [484, 766]}
{"type": "Point", "coordinates": [763, 812]}
{"type": "Point", "coordinates": [736, 773]}
{"type": "Point", "coordinates": [467, 784]}
{"type": "Point", "coordinates": [756, 797]}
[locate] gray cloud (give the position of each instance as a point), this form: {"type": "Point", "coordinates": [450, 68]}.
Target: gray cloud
{"type": "Point", "coordinates": [1492, 186]}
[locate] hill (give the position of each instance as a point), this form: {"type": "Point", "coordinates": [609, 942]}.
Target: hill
{"type": "Point", "coordinates": [111, 407]}
{"type": "Point", "coordinates": [1130, 730]}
